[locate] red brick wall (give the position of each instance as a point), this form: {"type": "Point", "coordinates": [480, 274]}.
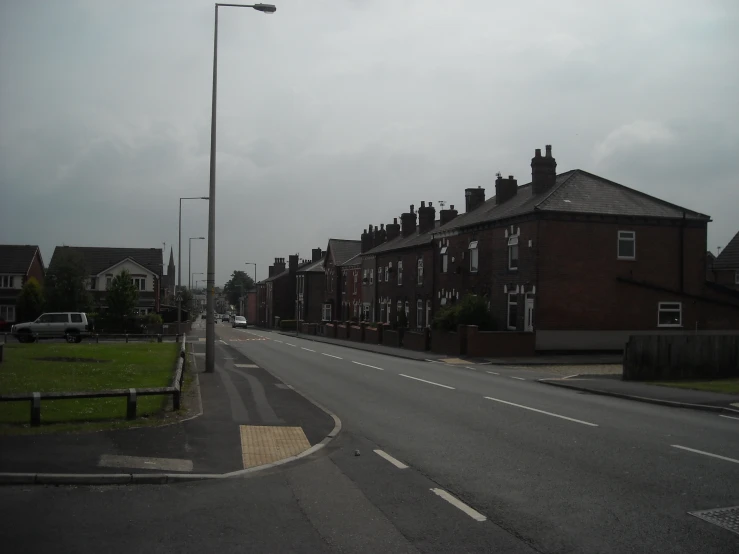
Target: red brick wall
{"type": "Point", "coordinates": [444, 342]}
{"type": "Point", "coordinates": [390, 338]}
{"type": "Point", "coordinates": [409, 290]}
{"type": "Point", "coordinates": [355, 333]}
{"type": "Point", "coordinates": [499, 344]}
{"type": "Point", "coordinates": [371, 335]}
{"type": "Point", "coordinates": [36, 270]}
{"type": "Point", "coordinates": [414, 340]}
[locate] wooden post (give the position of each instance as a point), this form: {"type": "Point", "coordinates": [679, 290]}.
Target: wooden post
{"type": "Point", "coordinates": [176, 399]}
{"type": "Point", "coordinates": [126, 338]}
{"type": "Point", "coordinates": [36, 409]}
{"type": "Point", "coordinates": [2, 347]}
{"type": "Point", "coordinates": [131, 404]}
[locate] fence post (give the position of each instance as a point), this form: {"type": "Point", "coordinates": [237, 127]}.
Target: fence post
{"type": "Point", "coordinates": [176, 400]}
{"type": "Point", "coordinates": [131, 404]}
{"type": "Point", "coordinates": [159, 338]}
{"type": "Point", "coordinates": [36, 409]}
{"type": "Point", "coordinates": [97, 339]}
{"type": "Point", "coordinates": [126, 338]}
{"type": "Point", "coordinates": [2, 347]}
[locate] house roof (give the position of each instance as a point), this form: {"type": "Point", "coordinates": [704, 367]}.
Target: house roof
{"type": "Point", "coordinates": [17, 258]}
{"type": "Point", "coordinates": [277, 276]}
{"type": "Point", "coordinates": [98, 258]}
{"type": "Point", "coordinates": [575, 191]}
{"type": "Point", "coordinates": [342, 250]}
{"type": "Point", "coordinates": [313, 267]}
{"type": "Point", "coordinates": [354, 260]}
{"type": "Point", "coordinates": [400, 242]}
{"type": "Point", "coordinates": [729, 256]}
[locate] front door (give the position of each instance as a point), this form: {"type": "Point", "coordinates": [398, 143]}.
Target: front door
{"type": "Point", "coordinates": [529, 313]}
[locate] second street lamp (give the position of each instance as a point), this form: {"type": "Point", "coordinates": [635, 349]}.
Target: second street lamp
{"type": "Point", "coordinates": [210, 324]}
{"type": "Point", "coordinates": [189, 258]}
{"type": "Point", "coordinates": [192, 276]}
{"type": "Point", "coordinates": [179, 259]}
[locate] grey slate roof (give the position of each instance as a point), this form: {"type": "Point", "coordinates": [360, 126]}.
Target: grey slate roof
{"type": "Point", "coordinates": [313, 267]}
{"type": "Point", "coordinates": [729, 256]}
{"type": "Point", "coordinates": [98, 258]}
{"type": "Point", "coordinates": [343, 250]}
{"type": "Point", "coordinates": [575, 191]}
{"type": "Point", "coordinates": [401, 242]}
{"type": "Point", "coordinates": [16, 258]}
{"type": "Point", "coordinates": [275, 277]}
{"type": "Point", "coordinates": [354, 260]}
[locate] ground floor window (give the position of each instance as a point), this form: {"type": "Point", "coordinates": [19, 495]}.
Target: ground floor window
{"type": "Point", "coordinates": [670, 314]}
{"type": "Point", "coordinates": [326, 312]}
{"type": "Point", "coordinates": [7, 313]}
{"type": "Point", "coordinates": [388, 312]}
{"type": "Point", "coordinates": [419, 313]}
{"type": "Point", "coordinates": [428, 313]}
{"type": "Point", "coordinates": [512, 311]}
{"type": "Point", "coordinates": [366, 312]}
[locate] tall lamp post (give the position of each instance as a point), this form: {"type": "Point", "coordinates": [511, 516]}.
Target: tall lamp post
{"type": "Point", "coordinates": [255, 285]}
{"type": "Point", "coordinates": [179, 259]}
{"type": "Point", "coordinates": [192, 276]}
{"type": "Point", "coordinates": [189, 260]}
{"type": "Point", "coordinates": [210, 327]}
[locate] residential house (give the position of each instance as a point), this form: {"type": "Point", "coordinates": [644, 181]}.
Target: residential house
{"type": "Point", "coordinates": [371, 238]}
{"type": "Point", "coordinates": [309, 288]}
{"type": "Point", "coordinates": [351, 288]}
{"type": "Point", "coordinates": [338, 252]}
{"type": "Point", "coordinates": [18, 262]}
{"type": "Point", "coordinates": [726, 265]}
{"type": "Point", "coordinates": [579, 259]}
{"type": "Point", "coordinates": [103, 264]}
{"type": "Point", "coordinates": [280, 289]}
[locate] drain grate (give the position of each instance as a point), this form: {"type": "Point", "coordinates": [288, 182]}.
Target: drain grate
{"type": "Point", "coordinates": [728, 518]}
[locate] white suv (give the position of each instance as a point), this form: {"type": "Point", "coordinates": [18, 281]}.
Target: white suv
{"type": "Point", "coordinates": [70, 325]}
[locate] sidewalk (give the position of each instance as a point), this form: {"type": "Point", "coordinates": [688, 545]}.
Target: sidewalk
{"type": "Point", "coordinates": [243, 408]}
{"type": "Point", "coordinates": [655, 394]}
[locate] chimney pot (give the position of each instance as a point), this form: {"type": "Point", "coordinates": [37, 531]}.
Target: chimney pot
{"type": "Point", "coordinates": [538, 152]}
{"type": "Point", "coordinates": [549, 150]}
{"type": "Point", "coordinates": [474, 198]}
{"type": "Point", "coordinates": [543, 171]}
{"type": "Point", "coordinates": [423, 204]}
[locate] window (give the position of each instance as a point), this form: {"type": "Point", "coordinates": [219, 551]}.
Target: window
{"type": "Point", "coordinates": [6, 281]}
{"type": "Point", "coordinates": [400, 272]}
{"type": "Point", "coordinates": [428, 313]}
{"type": "Point", "coordinates": [108, 281]}
{"type": "Point", "coordinates": [387, 273]}
{"type": "Point", "coordinates": [365, 312]}
{"type": "Point", "coordinates": [626, 245]}
{"type": "Point", "coordinates": [364, 276]}
{"type": "Point", "coordinates": [512, 311]}
{"type": "Point", "coordinates": [420, 271]}
{"type": "Point", "coordinates": [326, 312]}
{"type": "Point", "coordinates": [7, 313]}
{"type": "Point", "coordinates": [513, 253]}
{"type": "Point", "coordinates": [670, 314]}
{"type": "Point", "coordinates": [382, 311]}
{"type": "Point", "coordinates": [419, 314]}
{"type": "Point", "coordinates": [388, 310]}
{"type": "Point", "coordinates": [77, 318]}
{"type": "Point", "coordinates": [371, 276]}
{"type": "Point", "coordinates": [399, 309]}
{"type": "Point", "coordinates": [93, 282]}
{"type": "Point", "coordinates": [379, 275]}
{"type": "Point", "coordinates": [356, 278]}
{"type": "Point", "coordinates": [59, 318]}
{"type": "Point", "coordinates": [736, 277]}
{"type": "Point", "coordinates": [139, 283]}
{"type": "Point", "coordinates": [474, 256]}
{"type": "Point", "coordinates": [444, 259]}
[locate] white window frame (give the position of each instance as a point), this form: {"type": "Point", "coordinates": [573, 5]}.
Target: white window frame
{"type": "Point", "coordinates": [7, 312]}
{"type": "Point", "coordinates": [7, 281]}
{"type": "Point", "coordinates": [379, 274]}
{"type": "Point", "coordinates": [356, 278]}
{"type": "Point", "coordinates": [419, 313]}
{"type": "Point", "coordinates": [513, 246]}
{"type": "Point", "coordinates": [514, 297]}
{"type": "Point", "coordinates": [669, 308]}
{"type": "Point", "coordinates": [389, 305]}
{"type": "Point", "coordinates": [419, 265]}
{"type": "Point", "coordinates": [626, 236]}
{"type": "Point", "coordinates": [736, 277]}
{"type": "Point", "coordinates": [387, 273]}
{"type": "Point", "coordinates": [400, 272]}
{"type": "Point", "coordinates": [139, 282]}
{"type": "Point", "coordinates": [474, 257]}
{"type": "Point", "coordinates": [326, 311]}
{"type": "Point", "coordinates": [371, 276]}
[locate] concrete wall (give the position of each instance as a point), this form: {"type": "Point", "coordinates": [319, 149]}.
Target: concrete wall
{"type": "Point", "coordinates": [681, 356]}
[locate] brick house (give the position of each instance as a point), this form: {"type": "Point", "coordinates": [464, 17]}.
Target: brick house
{"type": "Point", "coordinates": [351, 288]}
{"type": "Point", "coordinates": [579, 259]}
{"type": "Point", "coordinates": [725, 267]}
{"type": "Point", "coordinates": [310, 283]}
{"type": "Point", "coordinates": [261, 304]}
{"type": "Point", "coordinates": [370, 239]}
{"type": "Point", "coordinates": [338, 252]}
{"type": "Point", "coordinates": [280, 290]}
{"type": "Point", "coordinates": [103, 264]}
{"type": "Point", "coordinates": [18, 262]}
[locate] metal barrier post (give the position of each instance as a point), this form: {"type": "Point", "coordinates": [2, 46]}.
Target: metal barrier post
{"type": "Point", "coordinates": [36, 409]}
{"type": "Point", "coordinates": [131, 404]}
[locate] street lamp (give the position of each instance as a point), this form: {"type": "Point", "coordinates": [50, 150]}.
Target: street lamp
{"type": "Point", "coordinates": [179, 259]}
{"type": "Point", "coordinates": [255, 283]}
{"type": "Point", "coordinates": [192, 275]}
{"type": "Point", "coordinates": [189, 259]}
{"type": "Point", "coordinates": [210, 328]}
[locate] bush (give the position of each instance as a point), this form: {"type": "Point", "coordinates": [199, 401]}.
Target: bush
{"type": "Point", "coordinates": [288, 324]}
{"type": "Point", "coordinates": [446, 319]}
{"type": "Point", "coordinates": [153, 319]}
{"type": "Point", "coordinates": [472, 310]}
{"type": "Point", "coordinates": [402, 320]}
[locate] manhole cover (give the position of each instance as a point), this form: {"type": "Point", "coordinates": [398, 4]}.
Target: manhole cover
{"type": "Point", "coordinates": [728, 518]}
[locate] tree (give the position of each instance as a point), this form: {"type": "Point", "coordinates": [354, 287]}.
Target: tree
{"type": "Point", "coordinates": [122, 296]}
{"type": "Point", "coordinates": [472, 310]}
{"type": "Point", "coordinates": [30, 302]}
{"type": "Point", "coordinates": [66, 284]}
{"type": "Point", "coordinates": [233, 287]}
{"type": "Point", "coordinates": [188, 303]}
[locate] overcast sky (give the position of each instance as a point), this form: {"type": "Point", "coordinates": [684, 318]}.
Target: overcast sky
{"type": "Point", "coordinates": [334, 114]}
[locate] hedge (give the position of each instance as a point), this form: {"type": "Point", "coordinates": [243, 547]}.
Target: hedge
{"type": "Point", "coordinates": [288, 324]}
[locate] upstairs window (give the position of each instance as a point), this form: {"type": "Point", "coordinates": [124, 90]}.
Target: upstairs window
{"type": "Point", "coordinates": [6, 281]}
{"type": "Point", "coordinates": [626, 245]}
{"type": "Point", "coordinates": [139, 283]}
{"type": "Point", "coordinates": [419, 313]}
{"type": "Point", "coordinates": [400, 272]}
{"type": "Point", "coordinates": [513, 253]}
{"type": "Point", "coordinates": [474, 257]}
{"type": "Point", "coordinates": [670, 314]}
{"type": "Point", "coordinates": [379, 275]}
{"type": "Point", "coordinates": [444, 259]}
{"type": "Point", "coordinates": [356, 278]}
{"type": "Point", "coordinates": [371, 276]}
{"type": "Point", "coordinates": [387, 273]}
{"type": "Point", "coordinates": [93, 282]}
{"type": "Point", "coordinates": [420, 271]}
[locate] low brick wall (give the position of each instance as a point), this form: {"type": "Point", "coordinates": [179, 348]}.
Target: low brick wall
{"type": "Point", "coordinates": [309, 328]}
{"type": "Point", "coordinates": [341, 331]}
{"type": "Point", "coordinates": [499, 344]}
{"type": "Point", "coordinates": [356, 333]}
{"type": "Point", "coordinates": [416, 340]}
{"type": "Point", "coordinates": [390, 338]}
{"type": "Point", "coordinates": [329, 330]}
{"type": "Point", "coordinates": [372, 335]}
{"type": "Point", "coordinates": [445, 342]}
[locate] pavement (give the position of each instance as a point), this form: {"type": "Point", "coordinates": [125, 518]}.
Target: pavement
{"type": "Point", "coordinates": [432, 457]}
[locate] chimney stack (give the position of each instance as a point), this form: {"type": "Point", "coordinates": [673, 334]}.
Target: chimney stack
{"type": "Point", "coordinates": [505, 189]}
{"type": "Point", "coordinates": [380, 235]}
{"type": "Point", "coordinates": [316, 254]}
{"type": "Point", "coordinates": [293, 262]}
{"type": "Point", "coordinates": [408, 222]}
{"type": "Point", "coordinates": [474, 198]}
{"type": "Point", "coordinates": [426, 217]}
{"type": "Point", "coordinates": [445, 216]}
{"type": "Point", "coordinates": [393, 229]}
{"type": "Point", "coordinates": [279, 265]}
{"type": "Point", "coordinates": [271, 271]}
{"type": "Point", "coordinates": [543, 171]}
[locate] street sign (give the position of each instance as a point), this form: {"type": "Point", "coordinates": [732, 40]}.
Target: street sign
{"type": "Point", "coordinates": [178, 298]}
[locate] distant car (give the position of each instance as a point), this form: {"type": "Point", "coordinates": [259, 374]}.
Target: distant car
{"type": "Point", "coordinates": [239, 321]}
{"type": "Point", "coordinates": [224, 318]}
{"type": "Point", "coordinates": [69, 325]}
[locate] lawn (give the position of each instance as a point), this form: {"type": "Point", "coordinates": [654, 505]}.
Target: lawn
{"type": "Point", "coordinates": [728, 386]}
{"type": "Point", "coordinates": [38, 368]}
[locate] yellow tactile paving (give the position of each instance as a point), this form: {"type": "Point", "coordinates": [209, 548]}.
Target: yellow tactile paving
{"type": "Point", "coordinates": [454, 361]}
{"type": "Point", "coordinates": [266, 444]}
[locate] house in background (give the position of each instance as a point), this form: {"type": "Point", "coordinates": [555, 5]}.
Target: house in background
{"type": "Point", "coordinates": [726, 265]}
{"type": "Point", "coordinates": [309, 288]}
{"type": "Point", "coordinates": [338, 252]}
{"type": "Point", "coordinates": [18, 262]}
{"type": "Point", "coordinates": [103, 264]}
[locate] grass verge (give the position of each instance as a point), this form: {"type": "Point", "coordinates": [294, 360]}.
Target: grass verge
{"type": "Point", "coordinates": [728, 386]}
{"type": "Point", "coordinates": [48, 368]}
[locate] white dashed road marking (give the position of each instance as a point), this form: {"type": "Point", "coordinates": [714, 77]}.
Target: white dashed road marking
{"type": "Point", "coordinates": [278, 341]}
{"type": "Point", "coordinates": [705, 453]}
{"type": "Point", "coordinates": [367, 365]}
{"type": "Point", "coordinates": [425, 381]}
{"type": "Point", "coordinates": [729, 417]}
{"type": "Point", "coordinates": [223, 341]}
{"type": "Point", "coordinates": [287, 343]}
{"type": "Point", "coordinates": [389, 458]}
{"type": "Point", "coordinates": [472, 368]}
{"type": "Point", "coordinates": [541, 411]}
{"type": "Point", "coordinates": [308, 349]}
{"type": "Point", "coordinates": [519, 378]}
{"type": "Point", "coordinates": [474, 514]}
{"type": "Point", "coordinates": [492, 373]}
{"type": "Point", "coordinates": [246, 365]}
{"type": "Point", "coordinates": [332, 356]}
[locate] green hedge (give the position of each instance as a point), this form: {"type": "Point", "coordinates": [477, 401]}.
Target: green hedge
{"type": "Point", "coordinates": [288, 324]}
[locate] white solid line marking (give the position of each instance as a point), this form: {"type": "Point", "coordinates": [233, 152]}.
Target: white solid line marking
{"type": "Point", "coordinates": [519, 378]}
{"type": "Point", "coordinates": [425, 381]}
{"type": "Point", "coordinates": [541, 411]}
{"type": "Point", "coordinates": [287, 343]}
{"type": "Point", "coordinates": [705, 453]}
{"type": "Point", "coordinates": [472, 368]}
{"type": "Point", "coordinates": [729, 417]}
{"type": "Point", "coordinates": [308, 349]}
{"type": "Point", "coordinates": [389, 458]}
{"type": "Point", "coordinates": [367, 365]}
{"type": "Point", "coordinates": [492, 373]}
{"type": "Point", "coordinates": [332, 356]}
{"type": "Point", "coordinates": [474, 514]}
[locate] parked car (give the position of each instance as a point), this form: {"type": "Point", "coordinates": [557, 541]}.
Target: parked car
{"type": "Point", "coordinates": [239, 321]}
{"type": "Point", "coordinates": [70, 325]}
{"type": "Point", "coordinates": [224, 317]}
